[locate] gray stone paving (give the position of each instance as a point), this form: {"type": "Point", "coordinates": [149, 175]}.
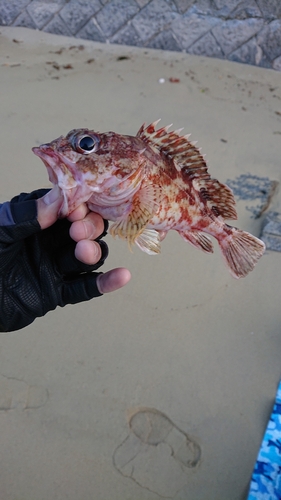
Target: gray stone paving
{"type": "Point", "coordinates": [271, 234]}
{"type": "Point", "coordinates": [246, 31]}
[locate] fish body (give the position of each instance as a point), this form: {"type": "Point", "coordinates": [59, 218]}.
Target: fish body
{"type": "Point", "coordinates": [148, 184]}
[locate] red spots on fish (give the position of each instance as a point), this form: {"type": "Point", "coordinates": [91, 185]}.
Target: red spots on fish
{"type": "Point", "coordinates": [215, 211]}
{"type": "Point", "coordinates": [185, 217]}
{"type": "Point", "coordinates": [150, 129]}
{"type": "Point", "coordinates": [168, 167]}
{"type": "Point", "coordinates": [160, 133]}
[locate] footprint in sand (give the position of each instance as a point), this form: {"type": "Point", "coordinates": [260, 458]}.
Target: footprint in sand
{"type": "Point", "coordinates": [16, 394]}
{"type": "Point", "coordinates": [157, 455]}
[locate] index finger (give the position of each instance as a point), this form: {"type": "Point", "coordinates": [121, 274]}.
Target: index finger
{"type": "Point", "coordinates": [79, 213]}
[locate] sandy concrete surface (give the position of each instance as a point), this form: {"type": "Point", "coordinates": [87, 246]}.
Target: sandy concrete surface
{"type": "Point", "coordinates": [164, 388]}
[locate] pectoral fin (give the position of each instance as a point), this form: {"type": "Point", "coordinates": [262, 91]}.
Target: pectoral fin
{"type": "Point", "coordinates": [133, 223]}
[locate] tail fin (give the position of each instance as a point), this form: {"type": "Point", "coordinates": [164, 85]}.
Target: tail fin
{"type": "Point", "coordinates": [241, 251]}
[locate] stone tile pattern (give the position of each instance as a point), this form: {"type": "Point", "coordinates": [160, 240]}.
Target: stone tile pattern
{"type": "Point", "coordinates": [246, 31]}
{"type": "Point", "coordinates": [271, 233]}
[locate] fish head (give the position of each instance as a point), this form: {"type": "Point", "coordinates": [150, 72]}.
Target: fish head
{"type": "Point", "coordinates": [85, 162]}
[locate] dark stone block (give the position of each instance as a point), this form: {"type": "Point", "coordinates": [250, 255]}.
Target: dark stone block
{"type": "Point", "coordinates": [142, 3]}
{"type": "Point", "coordinates": [91, 32]}
{"type": "Point", "coordinates": [57, 26]}
{"type": "Point", "coordinates": [204, 7]}
{"type": "Point", "coordinates": [271, 232]}
{"type": "Point", "coordinates": [60, 2]}
{"type": "Point", "coordinates": [153, 18]}
{"type": "Point", "coordinates": [272, 242]}
{"type": "Point", "coordinates": [10, 9]}
{"type": "Point", "coordinates": [191, 27]}
{"type": "Point", "coordinates": [265, 62]}
{"type": "Point", "coordinates": [77, 13]}
{"type": "Point", "coordinates": [184, 5]}
{"type": "Point", "coordinates": [246, 9]}
{"type": "Point", "coordinates": [206, 46]}
{"type": "Point", "coordinates": [115, 14]}
{"type": "Point", "coordinates": [277, 64]}
{"type": "Point", "coordinates": [220, 4]}
{"type": "Point", "coordinates": [24, 20]}
{"type": "Point", "coordinates": [127, 36]}
{"type": "Point", "coordinates": [269, 39]}
{"type": "Point", "coordinates": [42, 12]}
{"type": "Point", "coordinates": [253, 188]}
{"type": "Point", "coordinates": [224, 8]}
{"type": "Point", "coordinates": [231, 34]}
{"type": "Point", "coordinates": [271, 9]}
{"type": "Point", "coordinates": [249, 53]}
{"type": "Point", "coordinates": [164, 41]}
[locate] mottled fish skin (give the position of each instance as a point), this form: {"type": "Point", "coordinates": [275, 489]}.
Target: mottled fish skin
{"type": "Point", "coordinates": [147, 185]}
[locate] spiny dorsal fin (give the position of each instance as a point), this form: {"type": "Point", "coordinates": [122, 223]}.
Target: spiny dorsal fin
{"type": "Point", "coordinates": [192, 167]}
{"type": "Point", "coordinates": [187, 157]}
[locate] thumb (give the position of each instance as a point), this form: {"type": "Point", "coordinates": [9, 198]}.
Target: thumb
{"type": "Point", "coordinates": [113, 280]}
{"type": "Point", "coordinates": [48, 207]}
{"type": "Point", "coordinates": [89, 285]}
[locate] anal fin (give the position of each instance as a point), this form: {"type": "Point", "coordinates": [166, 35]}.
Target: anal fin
{"type": "Point", "coordinates": [198, 240]}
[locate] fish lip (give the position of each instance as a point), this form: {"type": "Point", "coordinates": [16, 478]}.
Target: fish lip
{"type": "Point", "coordinates": [57, 165]}
{"type": "Point", "coordinates": [61, 172]}
{"type": "Point", "coordinates": [46, 152]}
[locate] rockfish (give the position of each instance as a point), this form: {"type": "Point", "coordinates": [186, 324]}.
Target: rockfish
{"type": "Point", "coordinates": [147, 185]}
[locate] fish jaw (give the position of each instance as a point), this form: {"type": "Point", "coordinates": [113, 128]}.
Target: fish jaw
{"type": "Point", "coordinates": [62, 172]}
{"type": "Point", "coordinates": [60, 169]}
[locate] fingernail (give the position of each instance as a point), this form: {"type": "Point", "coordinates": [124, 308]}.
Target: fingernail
{"type": "Point", "coordinates": [52, 196]}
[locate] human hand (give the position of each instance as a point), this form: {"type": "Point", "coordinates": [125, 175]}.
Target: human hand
{"type": "Point", "coordinates": [41, 266]}
{"type": "Point", "coordinates": [86, 227]}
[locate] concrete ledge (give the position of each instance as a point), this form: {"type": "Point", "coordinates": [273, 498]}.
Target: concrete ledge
{"type": "Point", "coordinates": [242, 31]}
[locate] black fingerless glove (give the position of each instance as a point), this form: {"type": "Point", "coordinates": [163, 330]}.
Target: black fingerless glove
{"type": "Point", "coordinates": [38, 269]}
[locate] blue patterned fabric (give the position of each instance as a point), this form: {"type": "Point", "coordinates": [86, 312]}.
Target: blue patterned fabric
{"type": "Point", "coordinates": [266, 478]}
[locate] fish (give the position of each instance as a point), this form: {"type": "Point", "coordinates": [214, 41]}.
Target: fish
{"type": "Point", "coordinates": [146, 185]}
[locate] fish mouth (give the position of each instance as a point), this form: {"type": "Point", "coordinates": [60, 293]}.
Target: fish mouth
{"type": "Point", "coordinates": [46, 157]}
{"type": "Point", "coordinates": [61, 172]}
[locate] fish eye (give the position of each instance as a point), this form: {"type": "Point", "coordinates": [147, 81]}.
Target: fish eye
{"type": "Point", "coordinates": [86, 144]}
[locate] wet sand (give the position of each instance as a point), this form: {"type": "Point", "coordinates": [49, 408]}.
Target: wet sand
{"type": "Point", "coordinates": [164, 388]}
